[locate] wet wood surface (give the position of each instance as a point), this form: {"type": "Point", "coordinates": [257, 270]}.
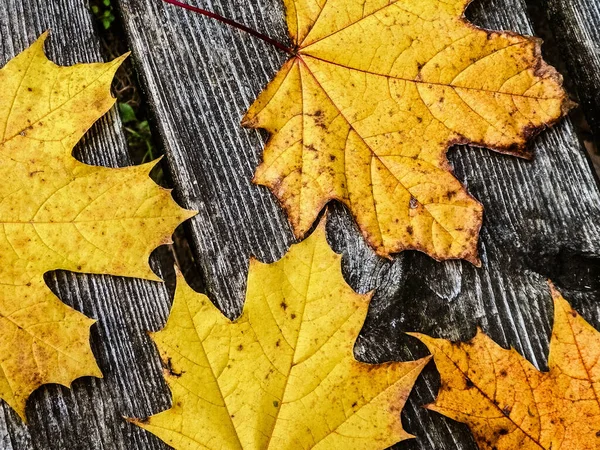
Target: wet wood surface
{"type": "Point", "coordinates": [199, 77]}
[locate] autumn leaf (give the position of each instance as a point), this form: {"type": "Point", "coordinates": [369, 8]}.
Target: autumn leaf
{"type": "Point", "coordinates": [509, 404]}
{"type": "Point", "coordinates": [375, 94]}
{"type": "Point", "coordinates": [283, 375]}
{"type": "Point", "coordinates": [58, 213]}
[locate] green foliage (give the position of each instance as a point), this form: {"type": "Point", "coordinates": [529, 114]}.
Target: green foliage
{"type": "Point", "coordinates": [104, 12]}
{"type": "Point", "coordinates": [139, 134]}
{"type": "Point", "coordinates": [127, 113]}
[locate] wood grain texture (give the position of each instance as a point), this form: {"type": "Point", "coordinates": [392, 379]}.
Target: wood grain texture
{"type": "Point", "coordinates": [574, 24]}
{"type": "Point", "coordinates": [89, 416]}
{"type": "Point", "coordinates": [201, 76]}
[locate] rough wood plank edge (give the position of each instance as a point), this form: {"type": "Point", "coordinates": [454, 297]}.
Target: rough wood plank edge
{"type": "Point", "coordinates": [90, 415]}
{"type": "Point", "coordinates": [575, 28]}
{"type": "Point", "coordinates": [200, 77]}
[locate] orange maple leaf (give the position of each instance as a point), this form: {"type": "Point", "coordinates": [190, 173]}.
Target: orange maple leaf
{"type": "Point", "coordinates": [509, 404]}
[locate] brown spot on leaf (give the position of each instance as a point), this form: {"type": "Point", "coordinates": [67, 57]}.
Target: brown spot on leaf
{"type": "Point", "coordinates": [168, 367]}
{"type": "Point", "coordinates": [414, 203]}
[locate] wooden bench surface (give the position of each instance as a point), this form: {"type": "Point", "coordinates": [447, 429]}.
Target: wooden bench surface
{"type": "Point", "coordinates": [541, 217]}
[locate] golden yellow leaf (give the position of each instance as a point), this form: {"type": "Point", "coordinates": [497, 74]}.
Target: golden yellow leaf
{"type": "Point", "coordinates": [283, 375]}
{"type": "Point", "coordinates": [509, 404]}
{"type": "Point", "coordinates": [58, 213]}
{"type": "Point", "coordinates": [375, 94]}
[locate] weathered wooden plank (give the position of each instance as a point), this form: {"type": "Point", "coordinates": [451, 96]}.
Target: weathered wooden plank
{"type": "Point", "coordinates": [200, 77]}
{"type": "Point", "coordinates": [90, 415]}
{"type": "Point", "coordinates": [532, 231]}
{"type": "Point", "coordinates": [236, 218]}
{"type": "Point", "coordinates": [575, 25]}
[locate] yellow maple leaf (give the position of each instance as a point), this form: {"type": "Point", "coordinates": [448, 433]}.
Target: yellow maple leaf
{"type": "Point", "coordinates": [58, 213]}
{"type": "Point", "coordinates": [509, 404]}
{"type": "Point", "coordinates": [283, 375]}
{"type": "Point", "coordinates": [375, 94]}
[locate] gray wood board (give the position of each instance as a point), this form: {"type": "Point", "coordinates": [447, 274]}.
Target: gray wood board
{"type": "Point", "coordinates": [89, 416]}
{"type": "Point", "coordinates": [200, 77]}
{"type": "Point", "coordinates": [575, 25]}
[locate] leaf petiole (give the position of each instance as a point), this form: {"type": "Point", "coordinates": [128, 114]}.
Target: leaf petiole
{"type": "Point", "coordinates": [232, 23]}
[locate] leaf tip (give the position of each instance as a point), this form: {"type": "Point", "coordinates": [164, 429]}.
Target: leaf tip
{"type": "Point", "coordinates": [151, 276]}
{"type": "Point", "coordinates": [178, 274]}
{"type": "Point", "coordinates": [38, 45]}
{"type": "Point", "coordinates": [424, 339]}
{"type": "Point", "coordinates": [474, 259]}
{"type": "Point", "coordinates": [556, 295]}
{"type": "Point", "coordinates": [118, 61]}
{"type": "Point", "coordinates": [97, 373]}
{"type": "Point", "coordinates": [137, 422]}
{"type": "Point", "coordinates": [21, 413]}
{"type": "Point", "coordinates": [246, 122]}
{"type": "Point", "coordinates": [560, 302]}
{"type": "Point", "coordinates": [44, 36]}
{"type": "Point", "coordinates": [425, 360]}
{"type": "Point", "coordinates": [189, 213]}
{"type": "Point", "coordinates": [568, 105]}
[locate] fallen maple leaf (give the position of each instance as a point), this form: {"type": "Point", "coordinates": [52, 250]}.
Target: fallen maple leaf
{"type": "Point", "coordinates": [375, 94]}
{"type": "Point", "coordinates": [282, 376]}
{"type": "Point", "coordinates": [58, 213]}
{"type": "Point", "coordinates": [509, 404]}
